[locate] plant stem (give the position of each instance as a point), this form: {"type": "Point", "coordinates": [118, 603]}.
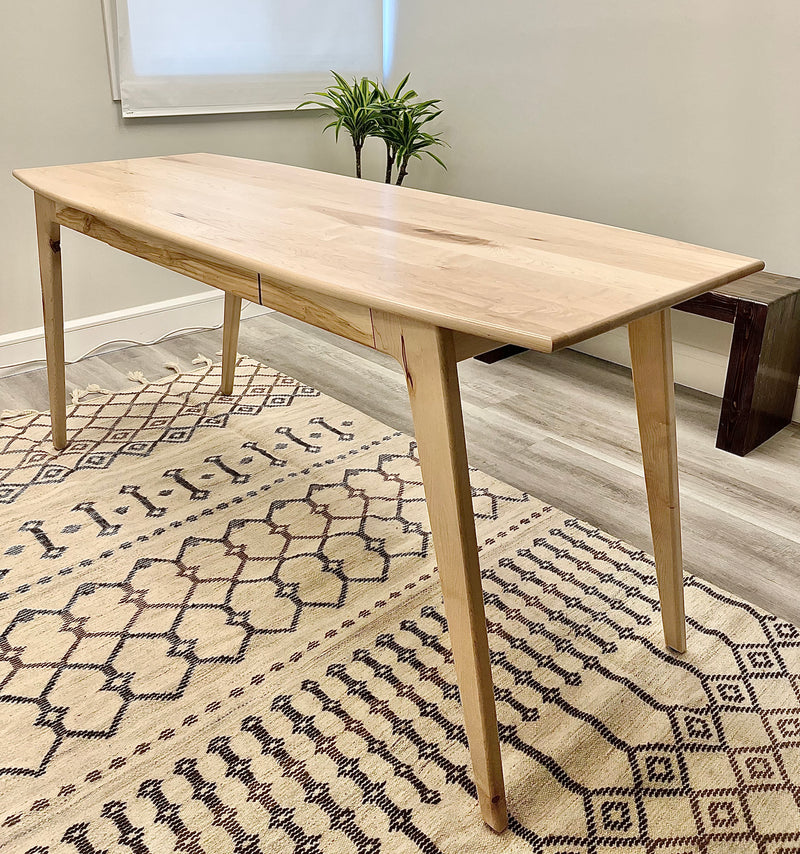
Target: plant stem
{"type": "Point", "coordinates": [389, 164]}
{"type": "Point", "coordinates": [403, 170]}
{"type": "Point", "coordinates": [358, 160]}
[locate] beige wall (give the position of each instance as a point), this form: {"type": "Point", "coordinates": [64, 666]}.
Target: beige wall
{"type": "Point", "coordinates": [56, 107]}
{"type": "Point", "coordinates": [678, 117]}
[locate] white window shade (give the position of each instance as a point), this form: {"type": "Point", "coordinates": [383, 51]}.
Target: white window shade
{"type": "Point", "coordinates": [185, 57]}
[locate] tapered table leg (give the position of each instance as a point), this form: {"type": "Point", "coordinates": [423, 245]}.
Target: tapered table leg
{"type": "Point", "coordinates": [428, 359]}
{"type": "Point", "coordinates": [230, 340]}
{"type": "Point", "coordinates": [48, 233]}
{"type": "Point", "coordinates": [651, 356]}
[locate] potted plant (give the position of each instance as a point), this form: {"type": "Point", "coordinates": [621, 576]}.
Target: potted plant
{"type": "Point", "coordinates": [367, 109]}
{"type": "Point", "coordinates": [351, 107]}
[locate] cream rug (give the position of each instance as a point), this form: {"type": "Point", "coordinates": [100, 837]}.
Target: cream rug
{"type": "Point", "coordinates": [221, 631]}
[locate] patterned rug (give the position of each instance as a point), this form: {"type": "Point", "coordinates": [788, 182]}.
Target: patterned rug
{"type": "Point", "coordinates": [221, 631]}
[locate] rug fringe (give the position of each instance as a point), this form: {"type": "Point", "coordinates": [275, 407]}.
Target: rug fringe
{"type": "Point", "coordinates": [12, 414]}
{"type": "Point", "coordinates": [79, 393]}
{"type": "Point", "coordinates": [139, 377]}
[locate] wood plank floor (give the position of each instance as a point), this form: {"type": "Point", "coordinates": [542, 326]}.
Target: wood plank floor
{"type": "Point", "coordinates": [562, 427]}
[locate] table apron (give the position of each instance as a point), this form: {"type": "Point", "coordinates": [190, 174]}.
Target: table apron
{"type": "Point", "coordinates": [228, 278]}
{"type": "Point", "coordinates": [347, 319]}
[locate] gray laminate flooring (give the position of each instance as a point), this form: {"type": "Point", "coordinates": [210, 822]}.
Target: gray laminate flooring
{"type": "Point", "coordinates": [562, 427]}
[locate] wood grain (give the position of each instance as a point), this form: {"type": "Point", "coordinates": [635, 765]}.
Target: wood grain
{"type": "Point", "coordinates": [764, 362]}
{"type": "Point", "coordinates": [763, 371]}
{"type": "Point", "coordinates": [232, 314]}
{"type": "Point", "coordinates": [428, 359]}
{"type": "Point", "coordinates": [762, 287]}
{"type": "Point", "coordinates": [511, 275]}
{"type": "Point", "coordinates": [351, 321]}
{"type": "Point", "coordinates": [48, 238]}
{"type": "Point", "coordinates": [651, 357]}
{"type": "Point", "coordinates": [198, 265]}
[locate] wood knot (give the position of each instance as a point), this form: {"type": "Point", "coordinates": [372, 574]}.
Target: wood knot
{"type": "Point", "coordinates": [55, 245]}
{"type": "Point", "coordinates": [406, 371]}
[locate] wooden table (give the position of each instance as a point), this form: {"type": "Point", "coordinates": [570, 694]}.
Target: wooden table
{"type": "Point", "coordinates": [428, 279]}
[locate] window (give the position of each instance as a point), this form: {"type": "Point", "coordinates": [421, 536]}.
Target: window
{"type": "Point", "coordinates": [184, 57]}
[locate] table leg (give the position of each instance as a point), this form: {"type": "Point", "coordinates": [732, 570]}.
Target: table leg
{"type": "Point", "coordinates": [651, 356]}
{"type": "Point", "coordinates": [230, 340]}
{"type": "Point", "coordinates": [428, 358]}
{"type": "Point", "coordinates": [48, 233]}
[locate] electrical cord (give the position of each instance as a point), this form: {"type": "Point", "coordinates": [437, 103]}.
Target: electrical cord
{"type": "Point", "coordinates": [130, 341]}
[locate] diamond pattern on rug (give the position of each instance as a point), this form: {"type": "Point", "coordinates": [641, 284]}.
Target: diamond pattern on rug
{"type": "Point", "coordinates": [233, 640]}
{"type": "Point", "coordinates": [138, 421]}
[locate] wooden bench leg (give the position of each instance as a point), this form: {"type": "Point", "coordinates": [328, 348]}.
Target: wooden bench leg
{"type": "Point", "coordinates": [48, 233]}
{"type": "Point", "coordinates": [651, 356]}
{"type": "Point", "coordinates": [230, 340]}
{"type": "Point", "coordinates": [500, 353]}
{"type": "Point", "coordinates": [428, 357]}
{"type": "Point", "coordinates": [763, 372]}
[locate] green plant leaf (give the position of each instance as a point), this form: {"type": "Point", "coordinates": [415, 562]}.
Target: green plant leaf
{"type": "Point", "coordinates": [365, 108]}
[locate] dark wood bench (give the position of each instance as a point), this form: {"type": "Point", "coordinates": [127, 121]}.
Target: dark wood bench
{"type": "Point", "coordinates": [764, 362]}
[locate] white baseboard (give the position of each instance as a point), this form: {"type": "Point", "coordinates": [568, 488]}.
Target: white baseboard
{"type": "Point", "coordinates": [695, 367]}
{"type": "Point", "coordinates": [116, 329]}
